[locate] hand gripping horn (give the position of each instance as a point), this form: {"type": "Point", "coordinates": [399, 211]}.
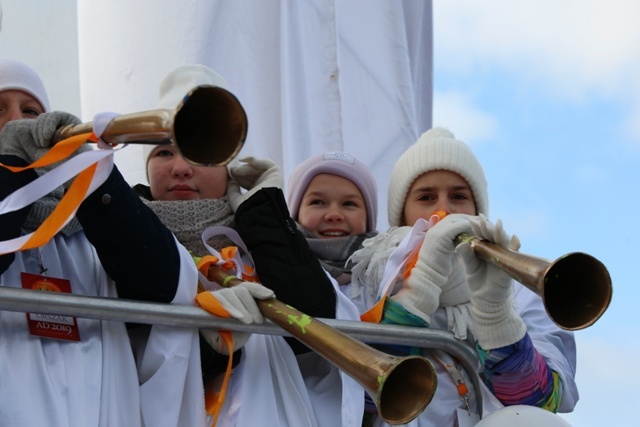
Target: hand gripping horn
{"type": "Point", "coordinates": [208, 127]}
{"type": "Point", "coordinates": [576, 288]}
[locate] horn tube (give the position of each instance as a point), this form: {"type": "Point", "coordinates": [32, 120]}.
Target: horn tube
{"type": "Point", "coordinates": [208, 127]}
{"type": "Point", "coordinates": [402, 387]}
{"type": "Point", "coordinates": [576, 288]}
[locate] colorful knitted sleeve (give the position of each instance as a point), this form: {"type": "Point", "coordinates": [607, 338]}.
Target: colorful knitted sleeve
{"type": "Point", "coordinates": [395, 314]}
{"type": "Point", "coordinates": [518, 375]}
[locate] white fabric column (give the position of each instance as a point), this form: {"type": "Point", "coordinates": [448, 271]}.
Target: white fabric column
{"type": "Point", "coordinates": [313, 75]}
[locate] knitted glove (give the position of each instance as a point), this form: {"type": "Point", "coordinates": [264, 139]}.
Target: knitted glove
{"type": "Point", "coordinates": [420, 293]}
{"type": "Point", "coordinates": [252, 176]}
{"type": "Point", "coordinates": [240, 302]}
{"type": "Point", "coordinates": [30, 139]}
{"type": "Point", "coordinates": [492, 306]}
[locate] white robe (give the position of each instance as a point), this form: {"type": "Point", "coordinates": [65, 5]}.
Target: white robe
{"type": "Point", "coordinates": [273, 387]}
{"type": "Point", "coordinates": [95, 382]}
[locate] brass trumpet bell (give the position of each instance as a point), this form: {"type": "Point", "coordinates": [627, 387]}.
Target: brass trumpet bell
{"type": "Point", "coordinates": [576, 288]}
{"type": "Point", "coordinates": [401, 387]}
{"type": "Point", "coordinates": [208, 127]}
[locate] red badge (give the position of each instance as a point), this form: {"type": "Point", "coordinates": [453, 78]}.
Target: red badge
{"type": "Point", "coordinates": [50, 325]}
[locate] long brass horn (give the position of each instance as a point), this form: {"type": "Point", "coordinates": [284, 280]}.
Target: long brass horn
{"type": "Point", "coordinates": [208, 127]}
{"type": "Point", "coordinates": [402, 387]}
{"type": "Point", "coordinates": [575, 288]}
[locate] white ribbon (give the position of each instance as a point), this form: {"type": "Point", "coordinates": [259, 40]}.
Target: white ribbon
{"type": "Point", "coordinates": [100, 123]}
{"type": "Point", "coordinates": [408, 246]}
{"type": "Point", "coordinates": [51, 180]}
{"type": "Point", "coordinates": [237, 261]}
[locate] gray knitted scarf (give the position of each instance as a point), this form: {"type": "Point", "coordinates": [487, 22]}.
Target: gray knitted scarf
{"type": "Point", "coordinates": [187, 219]}
{"type": "Point", "coordinates": [334, 253]}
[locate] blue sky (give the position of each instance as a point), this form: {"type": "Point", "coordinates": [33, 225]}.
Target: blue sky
{"type": "Point", "coordinates": [547, 94]}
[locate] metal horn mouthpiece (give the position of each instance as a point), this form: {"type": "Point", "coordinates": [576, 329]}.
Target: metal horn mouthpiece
{"type": "Point", "coordinates": [402, 387]}
{"type": "Point", "coordinates": [576, 288]}
{"type": "Point", "coordinates": [208, 127]}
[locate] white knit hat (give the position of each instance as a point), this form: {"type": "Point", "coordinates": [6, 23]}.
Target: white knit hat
{"type": "Point", "coordinates": [16, 75]}
{"type": "Point", "coordinates": [177, 83]}
{"type": "Point", "coordinates": [436, 149]}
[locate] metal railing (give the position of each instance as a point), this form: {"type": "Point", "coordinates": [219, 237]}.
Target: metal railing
{"type": "Point", "coordinates": [115, 309]}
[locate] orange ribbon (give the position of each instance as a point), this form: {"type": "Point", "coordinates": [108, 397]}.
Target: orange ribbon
{"type": "Point", "coordinates": [71, 200]}
{"type": "Point", "coordinates": [214, 400]}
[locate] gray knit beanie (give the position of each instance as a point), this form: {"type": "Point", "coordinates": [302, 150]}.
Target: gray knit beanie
{"type": "Point", "coordinates": [16, 75]}
{"type": "Point", "coordinates": [339, 164]}
{"type": "Point", "coordinates": [436, 149]}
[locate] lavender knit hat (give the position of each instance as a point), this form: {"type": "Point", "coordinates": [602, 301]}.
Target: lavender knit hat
{"type": "Point", "coordinates": [436, 149]}
{"type": "Point", "coordinates": [16, 75]}
{"type": "Point", "coordinates": [339, 164]}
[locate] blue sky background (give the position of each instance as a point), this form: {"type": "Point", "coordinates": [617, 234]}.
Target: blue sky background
{"type": "Point", "coordinates": [547, 93]}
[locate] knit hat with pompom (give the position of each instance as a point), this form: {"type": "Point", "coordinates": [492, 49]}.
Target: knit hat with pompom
{"type": "Point", "coordinates": [436, 149]}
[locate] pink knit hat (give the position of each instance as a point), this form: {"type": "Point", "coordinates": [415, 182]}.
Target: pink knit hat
{"type": "Point", "coordinates": [339, 164]}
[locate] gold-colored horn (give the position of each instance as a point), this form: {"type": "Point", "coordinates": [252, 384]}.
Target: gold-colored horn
{"type": "Point", "coordinates": [576, 288]}
{"type": "Point", "coordinates": [208, 127]}
{"type": "Point", "coordinates": [402, 387]}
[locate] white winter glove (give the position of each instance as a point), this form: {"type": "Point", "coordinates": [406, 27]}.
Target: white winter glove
{"type": "Point", "coordinates": [254, 175]}
{"type": "Point", "coordinates": [240, 302]}
{"type": "Point", "coordinates": [492, 306]}
{"type": "Point", "coordinates": [420, 293]}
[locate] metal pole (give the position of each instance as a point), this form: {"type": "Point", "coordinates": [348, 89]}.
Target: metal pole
{"type": "Point", "coordinates": [115, 309]}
